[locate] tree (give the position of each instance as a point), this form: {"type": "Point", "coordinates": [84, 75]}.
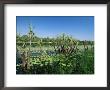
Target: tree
{"type": "Point", "coordinates": [24, 38]}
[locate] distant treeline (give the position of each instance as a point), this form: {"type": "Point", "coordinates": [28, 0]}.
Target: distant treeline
{"type": "Point", "coordinates": [36, 41]}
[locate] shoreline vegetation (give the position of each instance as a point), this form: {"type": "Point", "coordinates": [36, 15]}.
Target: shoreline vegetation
{"type": "Point", "coordinates": [59, 55]}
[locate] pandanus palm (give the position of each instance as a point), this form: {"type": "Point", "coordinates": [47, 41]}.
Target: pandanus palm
{"type": "Point", "coordinates": [30, 35]}
{"type": "Point", "coordinates": [65, 43]}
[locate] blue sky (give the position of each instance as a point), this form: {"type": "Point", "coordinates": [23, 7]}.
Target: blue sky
{"type": "Point", "coordinates": [80, 27]}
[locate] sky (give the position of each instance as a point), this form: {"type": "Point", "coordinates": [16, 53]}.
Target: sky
{"type": "Point", "coordinates": [79, 27]}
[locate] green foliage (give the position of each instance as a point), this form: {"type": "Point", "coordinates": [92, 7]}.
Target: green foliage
{"type": "Point", "coordinates": [60, 55]}
{"type": "Point", "coordinates": [80, 62]}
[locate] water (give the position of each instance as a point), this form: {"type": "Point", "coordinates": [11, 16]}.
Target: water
{"type": "Point", "coordinates": [50, 52]}
{"type": "Point", "coordinates": [39, 53]}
